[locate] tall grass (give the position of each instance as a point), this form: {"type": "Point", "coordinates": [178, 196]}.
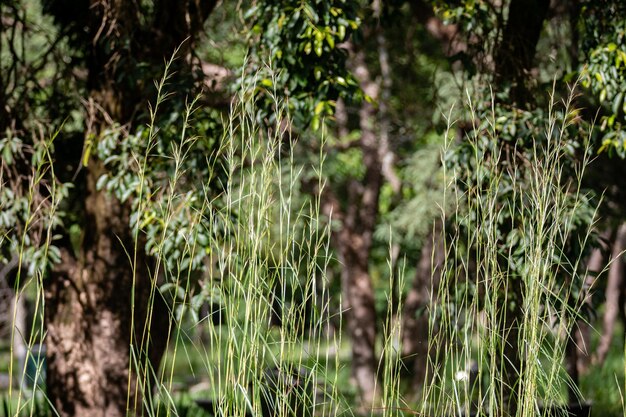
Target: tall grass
{"type": "Point", "coordinates": [267, 260]}
{"type": "Point", "coordinates": [487, 305]}
{"type": "Point", "coordinates": [268, 257]}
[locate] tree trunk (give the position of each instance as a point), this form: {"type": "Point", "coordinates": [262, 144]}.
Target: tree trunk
{"type": "Point", "coordinates": [516, 50]}
{"type": "Point", "coordinates": [106, 325]}
{"type": "Point", "coordinates": [92, 323]}
{"type": "Point", "coordinates": [510, 362]}
{"type": "Point", "coordinates": [361, 318]}
{"type": "Point", "coordinates": [613, 288]}
{"type": "Point", "coordinates": [415, 319]}
{"type": "Point", "coordinates": [361, 218]}
{"type": "Point", "coordinates": [581, 332]}
{"type": "Point", "coordinates": [358, 215]}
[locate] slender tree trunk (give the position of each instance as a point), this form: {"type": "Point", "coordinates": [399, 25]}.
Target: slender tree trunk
{"type": "Point", "coordinates": [613, 288]}
{"type": "Point", "coordinates": [510, 362]}
{"type": "Point", "coordinates": [358, 215]}
{"type": "Point", "coordinates": [415, 319]}
{"type": "Point", "coordinates": [386, 154]}
{"type": "Point", "coordinates": [361, 320]}
{"type": "Point", "coordinates": [13, 313]}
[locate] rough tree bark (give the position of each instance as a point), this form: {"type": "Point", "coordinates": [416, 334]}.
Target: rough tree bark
{"type": "Point", "coordinates": [361, 317]}
{"type": "Point", "coordinates": [89, 313]}
{"type": "Point", "coordinates": [101, 313]}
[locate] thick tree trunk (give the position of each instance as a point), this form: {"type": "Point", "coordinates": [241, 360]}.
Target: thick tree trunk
{"type": "Point", "coordinates": [91, 321]}
{"type": "Point", "coordinates": [613, 288]}
{"type": "Point", "coordinates": [106, 327]}
{"type": "Point", "coordinates": [415, 319]}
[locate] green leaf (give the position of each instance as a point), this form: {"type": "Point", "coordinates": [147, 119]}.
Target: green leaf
{"type": "Point", "coordinates": [315, 123]}
{"type": "Point", "coordinates": [87, 152]}
{"type": "Point", "coordinates": [126, 193]}
{"type": "Point", "coordinates": [341, 32]}
{"type": "Point", "coordinates": [617, 102]}
{"type": "Point", "coordinates": [179, 292]}
{"type": "Point", "coordinates": [310, 12]}
{"type": "Point", "coordinates": [330, 40]}
{"type": "Point", "coordinates": [318, 48]}
{"type": "Point", "coordinates": [319, 107]}
{"type": "Point", "coordinates": [7, 155]}
{"type": "Point", "coordinates": [101, 182]}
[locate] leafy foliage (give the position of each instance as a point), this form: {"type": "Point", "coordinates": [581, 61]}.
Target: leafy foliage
{"type": "Point", "coordinates": [30, 207]}
{"type": "Point", "coordinates": [306, 41]}
{"type": "Point", "coordinates": [604, 44]}
{"type": "Point", "coordinates": [497, 164]}
{"type": "Point", "coordinates": [478, 21]}
{"type": "Point", "coordinates": [172, 173]}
